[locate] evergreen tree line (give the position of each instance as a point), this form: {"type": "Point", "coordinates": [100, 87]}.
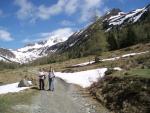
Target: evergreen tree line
{"type": "Point", "coordinates": [8, 65]}
{"type": "Point", "coordinates": [95, 43]}
{"type": "Point", "coordinates": [99, 41]}
{"type": "Point", "coordinates": [49, 59]}
{"type": "Point", "coordinates": [130, 35]}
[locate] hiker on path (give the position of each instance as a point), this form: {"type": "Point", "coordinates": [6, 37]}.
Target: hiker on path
{"type": "Point", "coordinates": [41, 79]}
{"type": "Point", "coordinates": [51, 77]}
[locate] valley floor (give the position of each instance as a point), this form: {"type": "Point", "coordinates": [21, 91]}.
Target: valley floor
{"type": "Point", "coordinates": [66, 98]}
{"type": "Point", "coordinates": [69, 98]}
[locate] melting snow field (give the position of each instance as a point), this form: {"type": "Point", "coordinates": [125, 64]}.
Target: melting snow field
{"type": "Point", "coordinates": [11, 88]}
{"type": "Point", "coordinates": [111, 59]}
{"type": "Point", "coordinates": [83, 78]}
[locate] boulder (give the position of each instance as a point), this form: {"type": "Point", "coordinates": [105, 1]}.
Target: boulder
{"type": "Point", "coordinates": [24, 83]}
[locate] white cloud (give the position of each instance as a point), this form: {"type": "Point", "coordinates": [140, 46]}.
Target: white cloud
{"type": "Point", "coordinates": [84, 8]}
{"type": "Point", "coordinates": [5, 35]}
{"type": "Point", "coordinates": [71, 6]}
{"type": "Point", "coordinates": [26, 11]}
{"type": "Point", "coordinates": [27, 40]}
{"type": "Point", "coordinates": [59, 33]}
{"type": "Point", "coordinates": [67, 23]}
{"type": "Point", "coordinates": [46, 12]}
{"type": "Point", "coordinates": [62, 32]}
{"type": "Point", "coordinates": [90, 7]}
{"type": "Point", "coordinates": [92, 3]}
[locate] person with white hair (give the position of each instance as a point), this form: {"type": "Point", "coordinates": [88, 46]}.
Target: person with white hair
{"type": "Point", "coordinates": [42, 77]}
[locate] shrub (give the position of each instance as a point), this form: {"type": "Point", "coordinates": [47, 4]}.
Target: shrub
{"type": "Point", "coordinates": [109, 71]}
{"type": "Point", "coordinates": [97, 59]}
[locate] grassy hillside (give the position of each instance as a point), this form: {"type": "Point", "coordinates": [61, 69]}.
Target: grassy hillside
{"type": "Point", "coordinates": [123, 95]}
{"type": "Point", "coordinates": [8, 65]}
{"type": "Point", "coordinates": [124, 63]}
{"type": "Point", "coordinates": [136, 69]}
{"type": "Point", "coordinates": [96, 40]}
{"type": "Point", "coordinates": [125, 91]}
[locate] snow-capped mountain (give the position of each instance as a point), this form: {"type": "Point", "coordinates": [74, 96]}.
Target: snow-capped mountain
{"type": "Point", "coordinates": [117, 18]}
{"type": "Point", "coordinates": [113, 18]}
{"type": "Point", "coordinates": [35, 50]}
{"type": "Point", "coordinates": [62, 41]}
{"type": "Point", "coordinates": [5, 54]}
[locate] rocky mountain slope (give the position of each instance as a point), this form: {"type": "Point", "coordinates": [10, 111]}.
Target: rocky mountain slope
{"type": "Point", "coordinates": [95, 37]}
{"type": "Point", "coordinates": [112, 20]}
{"type": "Point", "coordinates": [116, 17]}
{"type": "Point", "coordinates": [32, 51]}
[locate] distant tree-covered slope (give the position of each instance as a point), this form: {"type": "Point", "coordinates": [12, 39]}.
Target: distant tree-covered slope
{"type": "Point", "coordinates": [112, 31]}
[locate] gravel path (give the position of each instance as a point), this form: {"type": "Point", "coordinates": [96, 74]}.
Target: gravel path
{"type": "Point", "coordinates": [66, 98]}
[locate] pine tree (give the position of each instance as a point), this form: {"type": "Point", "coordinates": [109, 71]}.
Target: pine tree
{"type": "Point", "coordinates": [112, 42]}
{"type": "Point", "coordinates": [128, 39]}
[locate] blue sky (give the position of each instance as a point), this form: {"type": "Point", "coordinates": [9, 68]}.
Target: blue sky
{"type": "Point", "coordinates": [23, 21]}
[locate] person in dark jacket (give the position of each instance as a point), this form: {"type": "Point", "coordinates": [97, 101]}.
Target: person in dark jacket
{"type": "Point", "coordinates": [51, 77]}
{"type": "Point", "coordinates": [41, 79]}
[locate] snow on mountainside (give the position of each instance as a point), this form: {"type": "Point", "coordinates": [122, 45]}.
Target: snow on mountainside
{"type": "Point", "coordinates": [120, 18]}
{"type": "Point", "coordinates": [38, 49]}
{"type": "Point", "coordinates": [51, 39]}
{"type": "Point", "coordinates": [113, 18]}
{"type": "Point", "coordinates": [64, 39]}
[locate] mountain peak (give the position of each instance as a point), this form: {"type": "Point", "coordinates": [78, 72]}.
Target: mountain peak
{"type": "Point", "coordinates": [112, 12]}
{"type": "Point", "coordinates": [148, 7]}
{"type": "Point", "coordinates": [116, 18]}
{"type": "Point", "coordinates": [29, 44]}
{"type": "Point", "coordinates": [64, 40]}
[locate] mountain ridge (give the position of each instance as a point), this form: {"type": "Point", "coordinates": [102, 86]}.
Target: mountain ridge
{"type": "Point", "coordinates": [114, 19]}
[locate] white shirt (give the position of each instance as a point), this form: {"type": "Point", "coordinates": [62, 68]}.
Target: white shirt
{"type": "Point", "coordinates": [41, 75]}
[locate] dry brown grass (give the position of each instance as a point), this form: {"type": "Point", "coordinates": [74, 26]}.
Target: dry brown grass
{"type": "Point", "coordinates": [124, 63]}
{"type": "Point", "coordinates": [59, 66]}
{"type": "Point", "coordinates": [15, 75]}
{"type": "Point", "coordinates": [9, 76]}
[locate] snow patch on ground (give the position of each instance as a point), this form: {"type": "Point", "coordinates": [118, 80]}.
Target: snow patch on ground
{"type": "Point", "coordinates": [83, 78]}
{"type": "Point", "coordinates": [11, 88]}
{"type": "Point", "coordinates": [117, 69]}
{"type": "Point", "coordinates": [110, 59]}
{"type": "Point", "coordinates": [84, 64]}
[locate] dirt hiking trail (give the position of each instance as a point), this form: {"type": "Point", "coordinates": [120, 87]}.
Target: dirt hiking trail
{"type": "Point", "coordinates": [66, 98]}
